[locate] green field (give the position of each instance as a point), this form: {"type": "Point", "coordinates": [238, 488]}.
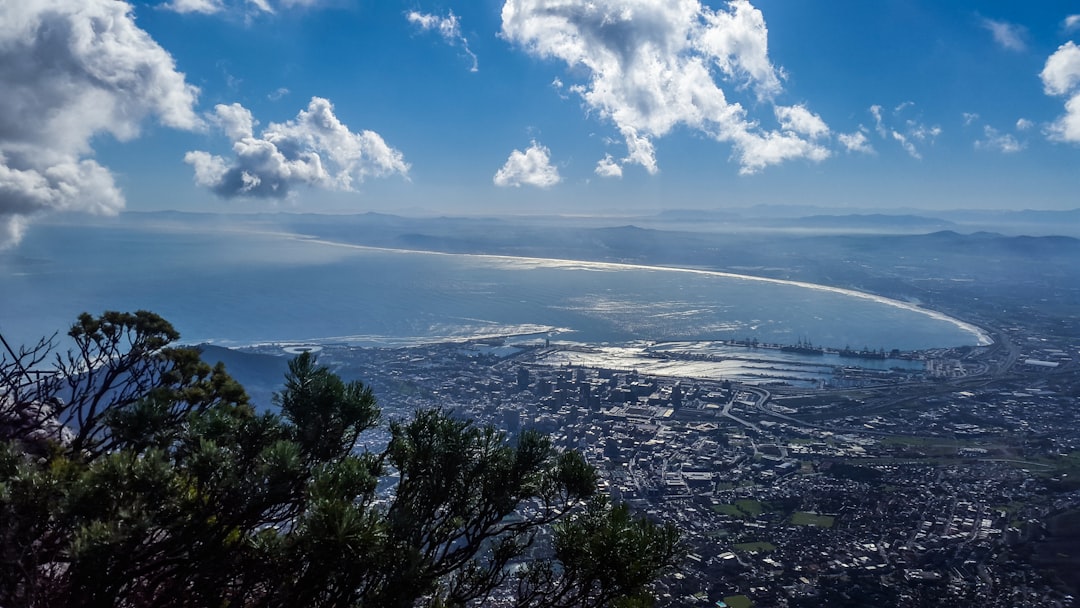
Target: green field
{"type": "Point", "coordinates": [738, 601]}
{"type": "Point", "coordinates": [731, 510]}
{"type": "Point", "coordinates": [752, 508]}
{"type": "Point", "coordinates": [802, 518]}
{"type": "Point", "coordinates": [742, 509]}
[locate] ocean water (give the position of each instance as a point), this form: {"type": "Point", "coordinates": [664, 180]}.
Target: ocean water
{"type": "Point", "coordinates": [238, 288]}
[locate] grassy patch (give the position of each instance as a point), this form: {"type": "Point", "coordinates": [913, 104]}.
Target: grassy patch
{"type": "Point", "coordinates": [731, 510]}
{"type": "Point", "coordinates": [752, 508]}
{"type": "Point", "coordinates": [802, 518]}
{"type": "Point", "coordinates": [760, 546]}
{"type": "Point", "coordinates": [942, 442]}
{"type": "Point", "coordinates": [738, 601]}
{"type": "Point", "coordinates": [744, 509]}
{"type": "Point", "coordinates": [1069, 463]}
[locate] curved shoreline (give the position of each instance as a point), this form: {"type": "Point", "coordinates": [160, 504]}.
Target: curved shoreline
{"type": "Point", "coordinates": [982, 336]}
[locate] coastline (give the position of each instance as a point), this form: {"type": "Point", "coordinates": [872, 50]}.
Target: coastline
{"type": "Point", "coordinates": [982, 336]}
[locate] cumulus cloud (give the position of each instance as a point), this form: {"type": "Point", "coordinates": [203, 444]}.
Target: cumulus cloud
{"type": "Point", "coordinates": [995, 140]}
{"type": "Point", "coordinates": [70, 71]}
{"type": "Point", "coordinates": [998, 142]}
{"type": "Point", "coordinates": [314, 149]}
{"type": "Point", "coordinates": [1067, 127]}
{"type": "Point", "coordinates": [1071, 23]}
{"type": "Point", "coordinates": [910, 130]}
{"type": "Point", "coordinates": [607, 167]}
{"type": "Point", "coordinates": [1061, 76]}
{"type": "Point", "coordinates": [1008, 35]}
{"type": "Point", "coordinates": [802, 121]}
{"type": "Point", "coordinates": [531, 168]}
{"type": "Point", "coordinates": [650, 66]}
{"type": "Point", "coordinates": [856, 142]}
{"type": "Point", "coordinates": [449, 27]}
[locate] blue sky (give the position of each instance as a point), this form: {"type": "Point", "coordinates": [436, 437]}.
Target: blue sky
{"type": "Point", "coordinates": [535, 106]}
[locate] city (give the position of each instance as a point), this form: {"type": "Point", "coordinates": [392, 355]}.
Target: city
{"type": "Point", "coordinates": [955, 483]}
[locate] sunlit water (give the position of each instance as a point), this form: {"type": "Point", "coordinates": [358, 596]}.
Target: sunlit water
{"type": "Point", "coordinates": [236, 288]}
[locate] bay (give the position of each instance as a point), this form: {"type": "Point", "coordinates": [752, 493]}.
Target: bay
{"type": "Point", "coordinates": [238, 287]}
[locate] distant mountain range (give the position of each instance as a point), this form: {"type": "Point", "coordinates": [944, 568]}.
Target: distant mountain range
{"type": "Point", "coordinates": [1032, 222]}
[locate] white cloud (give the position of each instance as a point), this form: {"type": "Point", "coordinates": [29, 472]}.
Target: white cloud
{"type": "Point", "coordinates": [262, 5]}
{"type": "Point", "coordinates": [1061, 76]}
{"type": "Point", "coordinates": [906, 144]}
{"type": "Point", "coordinates": [802, 121]}
{"type": "Point", "coordinates": [1071, 23]}
{"type": "Point", "coordinates": [314, 149]}
{"type": "Point", "coordinates": [607, 167]}
{"type": "Point", "coordinates": [83, 186]}
{"type": "Point", "coordinates": [879, 124]}
{"type": "Point", "coordinates": [922, 132]}
{"type": "Point", "coordinates": [235, 120]}
{"type": "Point", "coordinates": [205, 7]}
{"type": "Point", "coordinates": [995, 140]}
{"type": "Point", "coordinates": [640, 149]}
{"type": "Point", "coordinates": [448, 27]}
{"type": "Point", "coordinates": [247, 8]}
{"type": "Point", "coordinates": [738, 42]}
{"type": "Point", "coordinates": [856, 142]}
{"type": "Point", "coordinates": [1008, 35]}
{"type": "Point", "coordinates": [998, 142]}
{"type": "Point", "coordinates": [278, 94]}
{"type": "Point", "coordinates": [71, 71]}
{"type": "Point", "coordinates": [1067, 127]}
{"type": "Point", "coordinates": [771, 148]}
{"type": "Point", "coordinates": [532, 168]}
{"type": "Point", "coordinates": [652, 65]}
{"type": "Point", "coordinates": [912, 131]}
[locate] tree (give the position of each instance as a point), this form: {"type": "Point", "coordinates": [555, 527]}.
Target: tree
{"type": "Point", "coordinates": [134, 474]}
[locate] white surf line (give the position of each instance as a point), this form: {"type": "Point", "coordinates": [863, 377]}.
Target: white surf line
{"type": "Point", "coordinates": [981, 334]}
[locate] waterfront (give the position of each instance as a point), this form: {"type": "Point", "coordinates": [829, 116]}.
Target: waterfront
{"type": "Point", "coordinates": [233, 288]}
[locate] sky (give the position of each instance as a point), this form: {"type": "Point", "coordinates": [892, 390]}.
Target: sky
{"type": "Point", "coordinates": [534, 106]}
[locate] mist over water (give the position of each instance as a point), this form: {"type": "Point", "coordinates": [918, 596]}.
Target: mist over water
{"type": "Point", "coordinates": [236, 288]}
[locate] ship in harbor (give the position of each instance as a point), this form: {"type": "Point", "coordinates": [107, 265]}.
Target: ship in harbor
{"type": "Point", "coordinates": [803, 347]}
{"type": "Point", "coordinates": [863, 354]}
